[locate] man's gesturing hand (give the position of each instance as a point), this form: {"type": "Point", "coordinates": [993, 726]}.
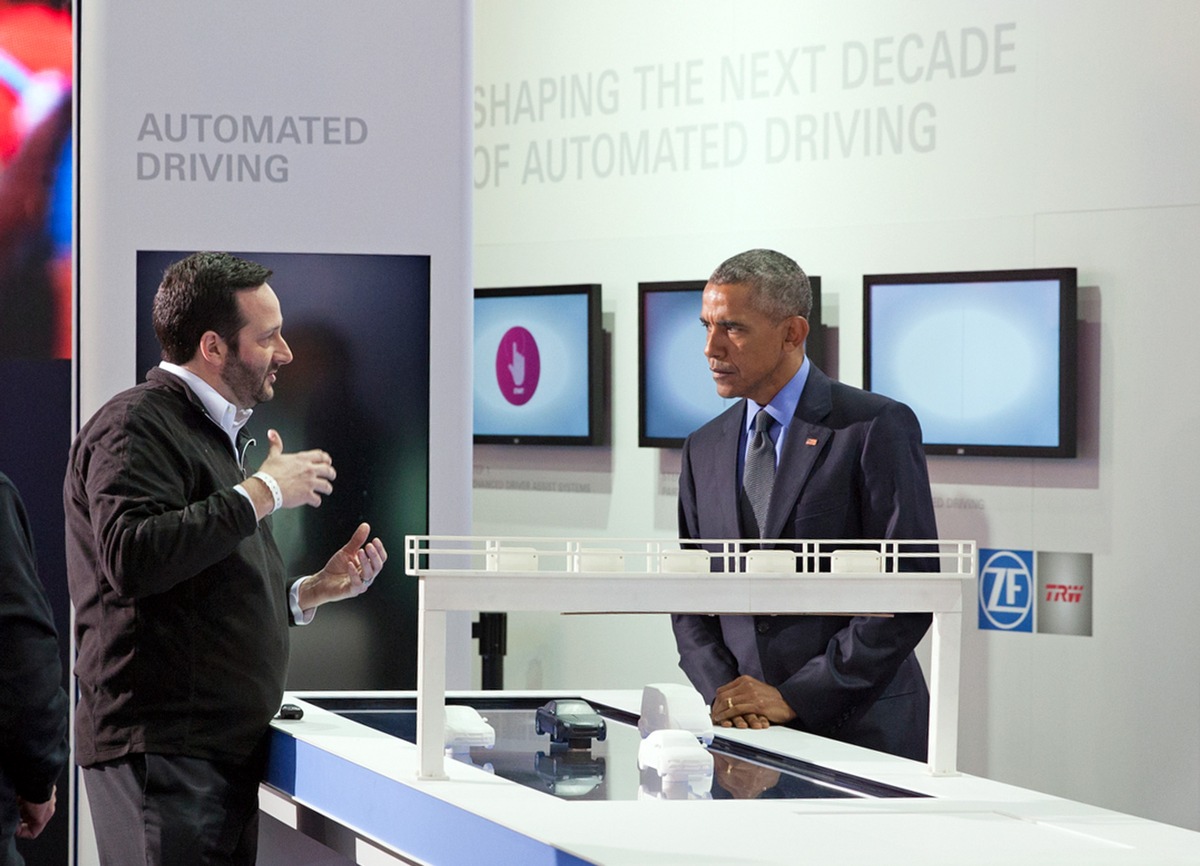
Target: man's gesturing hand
{"type": "Point", "coordinates": [350, 571]}
{"type": "Point", "coordinates": [303, 478]}
{"type": "Point", "coordinates": [34, 816]}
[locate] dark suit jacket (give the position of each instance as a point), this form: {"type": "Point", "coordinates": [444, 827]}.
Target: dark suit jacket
{"type": "Point", "coordinates": [852, 466]}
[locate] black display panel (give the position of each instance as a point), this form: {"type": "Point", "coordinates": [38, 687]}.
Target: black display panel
{"type": "Point", "coordinates": [358, 387]}
{"type": "Point", "coordinates": [538, 377]}
{"type": "Point", "coordinates": [986, 359]}
{"type": "Point", "coordinates": [676, 394]}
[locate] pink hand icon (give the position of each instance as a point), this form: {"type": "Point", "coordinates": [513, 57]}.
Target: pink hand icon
{"type": "Point", "coordinates": [517, 370]}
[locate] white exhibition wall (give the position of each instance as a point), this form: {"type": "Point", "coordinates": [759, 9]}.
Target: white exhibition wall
{"type": "Point", "coordinates": [621, 142]}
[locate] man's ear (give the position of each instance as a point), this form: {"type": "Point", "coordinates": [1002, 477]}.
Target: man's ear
{"type": "Point", "coordinates": [797, 331]}
{"type": "Point", "coordinates": [213, 349]}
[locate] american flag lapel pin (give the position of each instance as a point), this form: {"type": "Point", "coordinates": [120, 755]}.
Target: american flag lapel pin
{"type": "Point", "coordinates": [810, 441]}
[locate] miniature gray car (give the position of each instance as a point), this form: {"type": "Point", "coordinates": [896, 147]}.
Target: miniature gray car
{"type": "Point", "coordinates": [570, 721]}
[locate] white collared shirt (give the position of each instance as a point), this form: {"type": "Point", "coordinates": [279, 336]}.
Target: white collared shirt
{"type": "Point", "coordinates": [224, 414]}
{"type": "Point", "coordinates": [782, 408]}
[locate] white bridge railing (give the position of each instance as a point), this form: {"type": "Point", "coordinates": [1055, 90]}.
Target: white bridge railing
{"type": "Point", "coordinates": [604, 575]}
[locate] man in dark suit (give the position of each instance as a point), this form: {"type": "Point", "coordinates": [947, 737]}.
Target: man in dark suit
{"type": "Point", "coordinates": [846, 464]}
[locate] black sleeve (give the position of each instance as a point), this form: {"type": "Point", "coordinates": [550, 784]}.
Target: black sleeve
{"type": "Point", "coordinates": [33, 705]}
{"type": "Point", "coordinates": [149, 533]}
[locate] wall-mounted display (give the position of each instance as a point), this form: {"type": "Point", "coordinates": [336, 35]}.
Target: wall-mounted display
{"type": "Point", "coordinates": [538, 365]}
{"type": "Point", "coordinates": [676, 394]}
{"type": "Point", "coordinates": [986, 359]}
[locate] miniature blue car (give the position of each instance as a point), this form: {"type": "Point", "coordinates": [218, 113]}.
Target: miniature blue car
{"type": "Point", "coordinates": [570, 721]}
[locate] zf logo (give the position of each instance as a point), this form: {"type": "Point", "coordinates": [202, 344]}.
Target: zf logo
{"type": "Point", "coordinates": [1006, 590]}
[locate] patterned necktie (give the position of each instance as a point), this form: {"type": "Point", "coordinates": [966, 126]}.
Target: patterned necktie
{"type": "Point", "coordinates": [759, 476]}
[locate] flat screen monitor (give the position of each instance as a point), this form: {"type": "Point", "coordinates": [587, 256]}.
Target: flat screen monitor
{"type": "Point", "coordinates": [537, 368]}
{"type": "Point", "coordinates": [676, 394]}
{"type": "Point", "coordinates": [986, 359]}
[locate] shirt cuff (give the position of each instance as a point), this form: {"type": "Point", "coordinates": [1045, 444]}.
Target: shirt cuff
{"type": "Point", "coordinates": [242, 490]}
{"type": "Point", "coordinates": [299, 615]}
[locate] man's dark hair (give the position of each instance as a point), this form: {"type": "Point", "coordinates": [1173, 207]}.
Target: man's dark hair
{"type": "Point", "coordinates": [198, 294]}
{"type": "Point", "coordinates": [780, 288]}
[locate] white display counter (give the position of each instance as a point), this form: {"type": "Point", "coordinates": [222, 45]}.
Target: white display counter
{"type": "Point", "coordinates": [389, 800]}
{"type": "Point", "coordinates": [359, 790]}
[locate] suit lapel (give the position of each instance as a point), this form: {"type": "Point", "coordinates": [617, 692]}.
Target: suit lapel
{"type": "Point", "coordinates": [806, 439]}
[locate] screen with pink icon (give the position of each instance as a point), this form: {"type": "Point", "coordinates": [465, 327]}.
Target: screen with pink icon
{"type": "Point", "coordinates": [537, 365]}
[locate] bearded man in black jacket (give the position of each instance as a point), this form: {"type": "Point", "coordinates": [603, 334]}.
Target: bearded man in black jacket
{"type": "Point", "coordinates": [182, 605]}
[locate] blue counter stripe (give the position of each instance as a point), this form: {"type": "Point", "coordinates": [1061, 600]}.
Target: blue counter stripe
{"type": "Point", "coordinates": [401, 815]}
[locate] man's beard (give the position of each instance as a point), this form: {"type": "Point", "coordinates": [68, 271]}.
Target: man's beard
{"type": "Point", "coordinates": [249, 386]}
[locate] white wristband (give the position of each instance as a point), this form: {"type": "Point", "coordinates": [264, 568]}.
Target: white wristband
{"type": "Point", "coordinates": [273, 486]}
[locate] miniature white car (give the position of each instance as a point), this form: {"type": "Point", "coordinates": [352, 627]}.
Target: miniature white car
{"type": "Point", "coordinates": [672, 706]}
{"type": "Point", "coordinates": [465, 728]}
{"type": "Point", "coordinates": [677, 757]}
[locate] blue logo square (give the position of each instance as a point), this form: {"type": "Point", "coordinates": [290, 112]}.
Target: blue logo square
{"type": "Point", "coordinates": [1006, 590]}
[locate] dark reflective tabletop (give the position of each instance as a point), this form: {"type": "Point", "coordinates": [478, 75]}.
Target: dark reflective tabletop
{"type": "Point", "coordinates": [607, 769]}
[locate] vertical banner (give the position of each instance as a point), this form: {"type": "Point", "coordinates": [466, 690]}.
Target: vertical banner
{"type": "Point", "coordinates": [333, 145]}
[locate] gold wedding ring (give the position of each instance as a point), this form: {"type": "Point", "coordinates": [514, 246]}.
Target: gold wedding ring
{"type": "Point", "coordinates": [730, 702]}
